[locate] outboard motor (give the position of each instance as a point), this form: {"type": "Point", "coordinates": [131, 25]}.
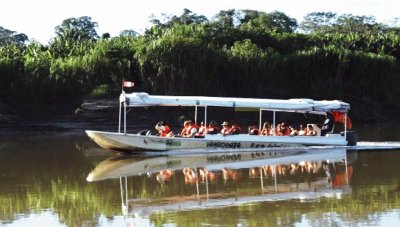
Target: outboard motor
{"type": "Point", "coordinates": [351, 137]}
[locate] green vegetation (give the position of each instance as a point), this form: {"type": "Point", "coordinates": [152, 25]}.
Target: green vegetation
{"type": "Point", "coordinates": [238, 53]}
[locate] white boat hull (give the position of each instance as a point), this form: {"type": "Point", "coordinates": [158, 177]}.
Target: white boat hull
{"type": "Point", "coordinates": [133, 142]}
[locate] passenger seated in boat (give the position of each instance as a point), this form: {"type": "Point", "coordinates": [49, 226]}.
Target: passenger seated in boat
{"type": "Point", "coordinates": [266, 130]}
{"type": "Point", "coordinates": [293, 131]}
{"type": "Point", "coordinates": [185, 130]}
{"type": "Point", "coordinates": [277, 130]}
{"type": "Point", "coordinates": [328, 124]}
{"type": "Point", "coordinates": [225, 128]}
{"type": "Point", "coordinates": [212, 128]}
{"type": "Point", "coordinates": [192, 129]}
{"type": "Point", "coordinates": [253, 129]}
{"type": "Point", "coordinates": [235, 129]}
{"type": "Point", "coordinates": [284, 130]}
{"type": "Point", "coordinates": [162, 129]}
{"type": "Point", "coordinates": [202, 130]}
{"type": "Point", "coordinates": [303, 130]}
{"type": "Point", "coordinates": [311, 131]}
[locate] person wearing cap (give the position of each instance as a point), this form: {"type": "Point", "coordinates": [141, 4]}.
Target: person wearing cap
{"type": "Point", "coordinates": [225, 128]}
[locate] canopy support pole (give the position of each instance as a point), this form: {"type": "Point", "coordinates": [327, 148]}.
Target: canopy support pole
{"type": "Point", "coordinates": [274, 123]}
{"type": "Point", "coordinates": [195, 115]}
{"type": "Point", "coordinates": [345, 126]}
{"type": "Point", "coordinates": [205, 116]}
{"type": "Point", "coordinates": [260, 122]}
{"type": "Point", "coordinates": [119, 118]}
{"type": "Point", "coordinates": [124, 117]}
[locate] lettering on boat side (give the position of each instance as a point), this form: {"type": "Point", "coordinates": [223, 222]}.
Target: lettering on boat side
{"type": "Point", "coordinates": [257, 145]}
{"type": "Point", "coordinates": [223, 158]}
{"type": "Point", "coordinates": [224, 144]}
{"type": "Point", "coordinates": [172, 143]}
{"type": "Point", "coordinates": [262, 154]}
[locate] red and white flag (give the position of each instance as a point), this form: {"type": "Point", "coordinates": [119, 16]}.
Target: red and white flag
{"type": "Point", "coordinates": [127, 84]}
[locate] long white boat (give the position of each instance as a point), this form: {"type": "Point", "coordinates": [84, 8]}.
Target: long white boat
{"type": "Point", "coordinates": [125, 142]}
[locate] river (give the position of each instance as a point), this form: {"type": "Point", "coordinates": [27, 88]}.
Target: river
{"type": "Point", "coordinates": [44, 182]}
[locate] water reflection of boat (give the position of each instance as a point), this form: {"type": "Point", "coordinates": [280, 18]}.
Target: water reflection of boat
{"type": "Point", "coordinates": [304, 174]}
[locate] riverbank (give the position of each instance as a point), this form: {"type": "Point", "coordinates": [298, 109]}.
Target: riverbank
{"type": "Point", "coordinates": [100, 114]}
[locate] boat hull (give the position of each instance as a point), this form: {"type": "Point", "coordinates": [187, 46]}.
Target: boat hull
{"type": "Point", "coordinates": [133, 142]}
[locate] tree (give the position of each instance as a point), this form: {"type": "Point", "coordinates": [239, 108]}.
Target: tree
{"type": "Point", "coordinates": [271, 22]}
{"type": "Point", "coordinates": [130, 33]}
{"type": "Point", "coordinates": [187, 17]}
{"type": "Point", "coordinates": [318, 21]}
{"type": "Point", "coordinates": [280, 22]}
{"type": "Point", "coordinates": [226, 18]}
{"type": "Point", "coordinates": [8, 36]}
{"type": "Point", "coordinates": [248, 15]}
{"type": "Point", "coordinates": [77, 29]}
{"type": "Point", "coordinates": [347, 23]}
{"type": "Point", "coordinates": [74, 37]}
{"type": "Point", "coordinates": [106, 35]}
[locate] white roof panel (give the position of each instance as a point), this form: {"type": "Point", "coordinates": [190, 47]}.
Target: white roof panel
{"type": "Point", "coordinates": [137, 99]}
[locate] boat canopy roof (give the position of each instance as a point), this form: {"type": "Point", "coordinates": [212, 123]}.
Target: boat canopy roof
{"type": "Point", "coordinates": [301, 105]}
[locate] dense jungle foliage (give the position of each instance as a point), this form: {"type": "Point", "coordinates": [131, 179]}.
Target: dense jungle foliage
{"type": "Point", "coordinates": [242, 53]}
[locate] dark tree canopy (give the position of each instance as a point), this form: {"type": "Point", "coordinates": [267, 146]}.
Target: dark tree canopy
{"type": "Point", "coordinates": [8, 37]}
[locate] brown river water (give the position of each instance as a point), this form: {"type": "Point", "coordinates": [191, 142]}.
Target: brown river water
{"type": "Point", "coordinates": [63, 179]}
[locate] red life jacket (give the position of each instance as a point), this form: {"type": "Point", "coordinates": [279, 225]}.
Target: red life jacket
{"type": "Point", "coordinates": [285, 131]}
{"type": "Point", "coordinates": [235, 129]}
{"type": "Point", "coordinates": [164, 130]}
